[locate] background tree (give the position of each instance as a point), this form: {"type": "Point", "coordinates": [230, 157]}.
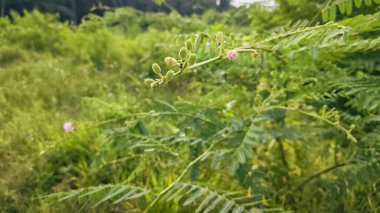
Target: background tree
{"type": "Point", "coordinates": [76, 10]}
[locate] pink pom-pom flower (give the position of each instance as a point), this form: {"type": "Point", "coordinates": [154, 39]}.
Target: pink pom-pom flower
{"type": "Point", "coordinates": [68, 127]}
{"type": "Point", "coordinates": [232, 55]}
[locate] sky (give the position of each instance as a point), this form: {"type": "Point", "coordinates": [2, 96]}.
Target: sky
{"type": "Point", "coordinates": [238, 3]}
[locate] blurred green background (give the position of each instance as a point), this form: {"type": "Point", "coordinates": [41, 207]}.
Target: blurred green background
{"type": "Point", "coordinates": [296, 124]}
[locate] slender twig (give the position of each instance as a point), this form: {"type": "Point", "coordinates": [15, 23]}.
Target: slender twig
{"type": "Point", "coordinates": [302, 30]}
{"type": "Point", "coordinates": [199, 36]}
{"type": "Point", "coordinates": [122, 159]}
{"type": "Point", "coordinates": [151, 114]}
{"type": "Point", "coordinates": [283, 157]}
{"type": "Point", "coordinates": [222, 56]}
{"type": "Point", "coordinates": [346, 131]}
{"type": "Point", "coordinates": [319, 12]}
{"type": "Point", "coordinates": [188, 167]}
{"type": "Point", "coordinates": [254, 49]}
{"type": "Point", "coordinates": [316, 175]}
{"type": "Point", "coordinates": [171, 8]}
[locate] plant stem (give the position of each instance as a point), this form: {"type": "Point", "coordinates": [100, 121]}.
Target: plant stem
{"type": "Point", "coordinates": [147, 114]}
{"type": "Point", "coordinates": [238, 49]}
{"type": "Point", "coordinates": [188, 167]}
{"type": "Point", "coordinates": [282, 152]}
{"type": "Point", "coordinates": [319, 11]}
{"type": "Point", "coordinates": [309, 179]}
{"type": "Point", "coordinates": [198, 64]}
{"type": "Point", "coordinates": [346, 131]}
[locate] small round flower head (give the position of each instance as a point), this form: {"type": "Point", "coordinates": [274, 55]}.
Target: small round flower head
{"type": "Point", "coordinates": [170, 61]}
{"type": "Point", "coordinates": [154, 84]}
{"type": "Point", "coordinates": [219, 38]}
{"type": "Point", "coordinates": [192, 59]}
{"type": "Point", "coordinates": [183, 53]}
{"type": "Point", "coordinates": [68, 127]}
{"type": "Point", "coordinates": [189, 44]}
{"type": "Point", "coordinates": [156, 68]}
{"type": "Point", "coordinates": [148, 81]}
{"type": "Point", "coordinates": [169, 75]}
{"type": "Point", "coordinates": [232, 55]}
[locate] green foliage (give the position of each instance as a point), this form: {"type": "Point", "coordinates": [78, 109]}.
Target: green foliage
{"type": "Point", "coordinates": [248, 117]}
{"type": "Point", "coordinates": [117, 193]}
{"type": "Point", "coordinates": [345, 7]}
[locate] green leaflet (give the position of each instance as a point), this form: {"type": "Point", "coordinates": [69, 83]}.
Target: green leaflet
{"type": "Point", "coordinates": [233, 167]}
{"type": "Point", "coordinates": [140, 194]}
{"type": "Point", "coordinates": [178, 192]}
{"type": "Point", "coordinates": [332, 13]}
{"type": "Point", "coordinates": [125, 196]}
{"type": "Point", "coordinates": [71, 195]}
{"type": "Point", "coordinates": [342, 7]}
{"type": "Point", "coordinates": [325, 15]}
{"type": "Point", "coordinates": [358, 3]}
{"type": "Point", "coordinates": [349, 7]}
{"type": "Point", "coordinates": [227, 206]}
{"type": "Point", "coordinates": [368, 2]}
{"type": "Point", "coordinates": [112, 194]}
{"type": "Point", "coordinates": [195, 196]}
{"type": "Point", "coordinates": [238, 209]}
{"type": "Point", "coordinates": [205, 201]}
{"type": "Point", "coordinates": [209, 200]}
{"type": "Point", "coordinates": [213, 204]}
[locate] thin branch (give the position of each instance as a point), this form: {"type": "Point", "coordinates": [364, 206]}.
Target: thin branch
{"type": "Point", "coordinates": [171, 8]}
{"type": "Point", "coordinates": [152, 114]}
{"type": "Point", "coordinates": [316, 175]}
{"type": "Point", "coordinates": [222, 56]}
{"type": "Point", "coordinates": [339, 127]}
{"type": "Point", "coordinates": [318, 13]}
{"type": "Point", "coordinates": [188, 167]}
{"type": "Point", "coordinates": [283, 158]}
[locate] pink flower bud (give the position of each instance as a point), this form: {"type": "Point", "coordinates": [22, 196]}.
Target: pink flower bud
{"type": "Point", "coordinates": [232, 55]}
{"type": "Point", "coordinates": [68, 127]}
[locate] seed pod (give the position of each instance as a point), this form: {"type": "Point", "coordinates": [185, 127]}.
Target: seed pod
{"type": "Point", "coordinates": [156, 68]}
{"type": "Point", "coordinates": [169, 75]}
{"type": "Point", "coordinates": [192, 59]}
{"type": "Point", "coordinates": [219, 38]}
{"type": "Point", "coordinates": [189, 44]}
{"type": "Point", "coordinates": [148, 81]}
{"type": "Point", "coordinates": [183, 53]}
{"type": "Point", "coordinates": [170, 61]}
